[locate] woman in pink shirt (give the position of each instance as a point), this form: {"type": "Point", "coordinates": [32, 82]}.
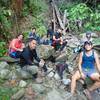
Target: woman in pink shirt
{"type": "Point", "coordinates": [16, 46]}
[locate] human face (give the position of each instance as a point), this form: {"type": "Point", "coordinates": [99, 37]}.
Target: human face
{"type": "Point", "coordinates": [34, 30]}
{"type": "Point", "coordinates": [32, 44]}
{"type": "Point", "coordinates": [88, 47]}
{"type": "Point", "coordinates": [20, 37]}
{"type": "Point", "coordinates": [59, 30]}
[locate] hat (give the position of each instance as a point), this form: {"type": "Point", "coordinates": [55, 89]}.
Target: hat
{"type": "Point", "coordinates": [87, 42]}
{"type": "Point", "coordinates": [88, 33]}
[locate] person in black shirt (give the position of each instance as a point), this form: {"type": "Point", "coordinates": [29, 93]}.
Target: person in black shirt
{"type": "Point", "coordinates": [28, 55]}
{"type": "Point", "coordinates": [58, 42]}
{"type": "Point", "coordinates": [33, 35]}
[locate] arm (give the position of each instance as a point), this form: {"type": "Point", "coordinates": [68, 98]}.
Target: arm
{"type": "Point", "coordinates": [80, 63]}
{"type": "Point", "coordinates": [61, 40]}
{"type": "Point", "coordinates": [97, 61]}
{"type": "Point", "coordinates": [35, 56]}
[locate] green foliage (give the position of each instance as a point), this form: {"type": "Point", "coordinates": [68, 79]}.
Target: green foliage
{"type": "Point", "coordinates": [37, 9]}
{"type": "Point", "coordinates": [3, 49]}
{"type": "Point", "coordinates": [80, 11]}
{"type": "Point", "coordinates": [5, 22]}
{"type": "Point", "coordinates": [41, 31]}
{"type": "Point", "coordinates": [5, 93]}
{"type": "Point", "coordinates": [34, 7]}
{"type": "Point", "coordinates": [90, 19]}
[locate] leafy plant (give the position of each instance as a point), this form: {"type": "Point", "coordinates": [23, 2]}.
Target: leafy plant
{"type": "Point", "coordinates": [3, 49]}
{"type": "Point", "coordinates": [89, 18]}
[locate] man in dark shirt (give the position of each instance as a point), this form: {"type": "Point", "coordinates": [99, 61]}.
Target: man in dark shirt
{"type": "Point", "coordinates": [27, 57]}
{"type": "Point", "coordinates": [58, 42]}
{"type": "Point", "coordinates": [33, 35]}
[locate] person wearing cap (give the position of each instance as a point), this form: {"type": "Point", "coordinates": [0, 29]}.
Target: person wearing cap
{"type": "Point", "coordinates": [88, 66]}
{"type": "Point", "coordinates": [58, 42]}
{"type": "Point", "coordinates": [87, 37]}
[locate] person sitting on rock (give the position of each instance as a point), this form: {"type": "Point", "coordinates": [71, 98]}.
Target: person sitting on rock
{"type": "Point", "coordinates": [33, 35]}
{"type": "Point", "coordinates": [49, 36]}
{"type": "Point", "coordinates": [58, 41]}
{"type": "Point", "coordinates": [28, 55]}
{"type": "Point", "coordinates": [86, 37]}
{"type": "Point", "coordinates": [87, 60]}
{"type": "Point", "coordinates": [16, 47]}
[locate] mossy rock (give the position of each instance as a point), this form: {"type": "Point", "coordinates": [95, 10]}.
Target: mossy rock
{"type": "Point", "coordinates": [9, 59]}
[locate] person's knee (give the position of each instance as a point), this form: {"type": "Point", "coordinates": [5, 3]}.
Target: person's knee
{"type": "Point", "coordinates": [73, 78]}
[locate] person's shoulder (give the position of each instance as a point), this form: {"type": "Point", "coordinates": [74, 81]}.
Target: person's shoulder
{"type": "Point", "coordinates": [81, 53]}
{"type": "Point", "coordinates": [14, 40]}
{"type": "Point", "coordinates": [95, 53]}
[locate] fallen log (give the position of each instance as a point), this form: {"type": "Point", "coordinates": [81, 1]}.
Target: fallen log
{"type": "Point", "coordinates": [57, 14]}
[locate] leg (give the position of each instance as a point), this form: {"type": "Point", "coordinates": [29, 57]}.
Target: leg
{"type": "Point", "coordinates": [75, 77]}
{"type": "Point", "coordinates": [95, 77]}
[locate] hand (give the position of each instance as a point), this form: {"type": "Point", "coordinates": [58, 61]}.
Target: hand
{"type": "Point", "coordinates": [82, 75]}
{"type": "Point", "coordinates": [20, 50]}
{"type": "Point", "coordinates": [41, 63]}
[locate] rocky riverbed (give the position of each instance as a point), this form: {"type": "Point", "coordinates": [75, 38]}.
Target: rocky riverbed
{"type": "Point", "coordinates": [17, 84]}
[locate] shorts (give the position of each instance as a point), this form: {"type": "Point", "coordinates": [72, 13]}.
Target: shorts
{"type": "Point", "coordinates": [88, 72]}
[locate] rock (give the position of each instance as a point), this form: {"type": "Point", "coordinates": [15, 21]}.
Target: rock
{"type": "Point", "coordinates": [4, 73]}
{"type": "Point", "coordinates": [9, 59]}
{"type": "Point", "coordinates": [39, 80]}
{"type": "Point", "coordinates": [51, 74]}
{"type": "Point", "coordinates": [54, 95]}
{"type": "Point", "coordinates": [45, 51]}
{"type": "Point", "coordinates": [56, 76]}
{"type": "Point", "coordinates": [95, 95]}
{"type": "Point", "coordinates": [22, 83]}
{"type": "Point", "coordinates": [18, 95]}
{"type": "Point", "coordinates": [66, 81]}
{"type": "Point", "coordinates": [38, 88]}
{"type": "Point", "coordinates": [32, 69]}
{"type": "Point", "coordinates": [29, 95]}
{"type": "Point", "coordinates": [73, 42]}
{"type": "Point", "coordinates": [69, 96]}
{"type": "Point", "coordinates": [23, 74]}
{"type": "Point", "coordinates": [61, 58]}
{"type": "Point", "coordinates": [96, 41]}
{"type": "Point", "coordinates": [4, 65]}
{"type": "Point", "coordinates": [12, 75]}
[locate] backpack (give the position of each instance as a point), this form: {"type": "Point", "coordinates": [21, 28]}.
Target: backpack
{"type": "Point", "coordinates": [60, 69]}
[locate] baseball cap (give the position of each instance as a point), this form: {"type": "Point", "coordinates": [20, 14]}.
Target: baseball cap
{"type": "Point", "coordinates": [87, 42]}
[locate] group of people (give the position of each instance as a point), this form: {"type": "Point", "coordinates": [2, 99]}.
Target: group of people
{"type": "Point", "coordinates": [88, 65]}
{"type": "Point", "coordinates": [27, 54]}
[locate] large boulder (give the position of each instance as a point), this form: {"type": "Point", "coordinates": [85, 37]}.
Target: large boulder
{"type": "Point", "coordinates": [61, 58]}
{"type": "Point", "coordinates": [23, 74]}
{"type": "Point", "coordinates": [18, 95]}
{"type": "Point", "coordinates": [4, 65]}
{"type": "Point", "coordinates": [4, 73]}
{"type": "Point", "coordinates": [22, 84]}
{"type": "Point", "coordinates": [54, 95]}
{"type": "Point", "coordinates": [38, 88]}
{"type": "Point", "coordinates": [73, 42]}
{"type": "Point", "coordinates": [45, 51]}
